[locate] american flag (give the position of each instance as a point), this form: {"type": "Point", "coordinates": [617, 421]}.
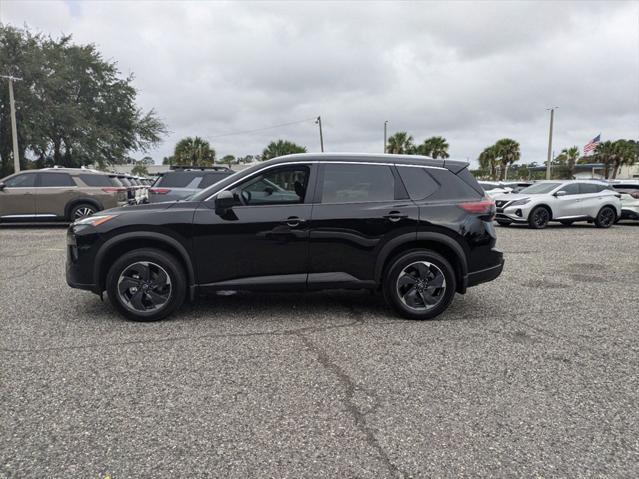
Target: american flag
{"type": "Point", "coordinates": [592, 144]}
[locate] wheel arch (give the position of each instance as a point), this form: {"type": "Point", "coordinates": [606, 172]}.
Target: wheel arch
{"type": "Point", "coordinates": [544, 205]}
{"type": "Point", "coordinates": [78, 201]}
{"type": "Point", "coordinates": [438, 242]}
{"type": "Point", "coordinates": [121, 244]}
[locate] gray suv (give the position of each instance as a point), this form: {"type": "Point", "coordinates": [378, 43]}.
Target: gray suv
{"type": "Point", "coordinates": [54, 194]}
{"type": "Point", "coordinates": [180, 183]}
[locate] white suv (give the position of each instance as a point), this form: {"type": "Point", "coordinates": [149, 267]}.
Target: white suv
{"type": "Point", "coordinates": [563, 201]}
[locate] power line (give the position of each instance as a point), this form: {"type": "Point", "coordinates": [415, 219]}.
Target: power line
{"type": "Point", "coordinates": [265, 128]}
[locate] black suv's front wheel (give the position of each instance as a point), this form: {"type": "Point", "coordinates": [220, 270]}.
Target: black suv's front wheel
{"type": "Point", "coordinates": [146, 284]}
{"type": "Point", "coordinates": [420, 284]}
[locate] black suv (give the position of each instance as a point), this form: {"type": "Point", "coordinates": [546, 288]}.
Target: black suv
{"type": "Point", "coordinates": [417, 229]}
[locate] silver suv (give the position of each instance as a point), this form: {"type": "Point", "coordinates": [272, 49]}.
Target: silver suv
{"type": "Point", "coordinates": [563, 201]}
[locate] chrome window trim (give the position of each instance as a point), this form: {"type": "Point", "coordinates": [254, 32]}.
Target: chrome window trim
{"type": "Point", "coordinates": [41, 215]}
{"type": "Point", "coordinates": [325, 162]}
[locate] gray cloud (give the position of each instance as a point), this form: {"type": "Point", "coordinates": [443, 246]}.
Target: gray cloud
{"type": "Point", "coordinates": [470, 71]}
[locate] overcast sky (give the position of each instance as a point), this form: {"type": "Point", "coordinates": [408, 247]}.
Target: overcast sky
{"type": "Point", "coordinates": [471, 72]}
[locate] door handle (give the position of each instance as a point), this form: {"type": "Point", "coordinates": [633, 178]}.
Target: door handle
{"type": "Point", "coordinates": [395, 216]}
{"type": "Point", "coordinates": [294, 221]}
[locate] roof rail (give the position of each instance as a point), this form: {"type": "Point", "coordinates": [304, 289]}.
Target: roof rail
{"type": "Point", "coordinates": [197, 168]}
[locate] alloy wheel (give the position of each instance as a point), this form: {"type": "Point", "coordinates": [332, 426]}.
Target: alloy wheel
{"type": "Point", "coordinates": [144, 287]}
{"type": "Point", "coordinates": [606, 217]}
{"type": "Point", "coordinates": [541, 217]}
{"type": "Point", "coordinates": [421, 285]}
{"type": "Point", "coordinates": [82, 212]}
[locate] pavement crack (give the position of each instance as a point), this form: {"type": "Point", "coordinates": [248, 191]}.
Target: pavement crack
{"type": "Point", "coordinates": [24, 272]}
{"type": "Point", "coordinates": [350, 389]}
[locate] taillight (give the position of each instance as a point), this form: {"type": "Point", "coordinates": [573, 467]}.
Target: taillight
{"type": "Point", "coordinates": [113, 189]}
{"type": "Point", "coordinates": [159, 191]}
{"type": "Point", "coordinates": [481, 207]}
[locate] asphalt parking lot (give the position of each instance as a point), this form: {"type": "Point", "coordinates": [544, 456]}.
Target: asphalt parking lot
{"type": "Point", "coordinates": [534, 374]}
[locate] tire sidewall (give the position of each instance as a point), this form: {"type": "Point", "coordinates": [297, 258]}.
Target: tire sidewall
{"type": "Point", "coordinates": [396, 267]}
{"type": "Point", "coordinates": [161, 258]}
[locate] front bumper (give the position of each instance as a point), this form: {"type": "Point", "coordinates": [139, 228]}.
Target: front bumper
{"type": "Point", "coordinates": [629, 214]}
{"type": "Point", "coordinates": [517, 214]}
{"type": "Point", "coordinates": [79, 265]}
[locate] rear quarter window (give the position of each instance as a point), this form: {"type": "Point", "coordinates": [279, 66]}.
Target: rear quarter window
{"type": "Point", "coordinates": [95, 180]}
{"type": "Point", "coordinates": [452, 187]}
{"type": "Point", "coordinates": [418, 182]}
{"type": "Point", "coordinates": [186, 179]}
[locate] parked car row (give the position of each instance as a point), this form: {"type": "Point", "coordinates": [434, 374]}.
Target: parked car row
{"type": "Point", "coordinates": [496, 188]}
{"type": "Point", "coordinates": [566, 201]}
{"type": "Point", "coordinates": [66, 194]}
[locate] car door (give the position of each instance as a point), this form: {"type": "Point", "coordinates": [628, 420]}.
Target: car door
{"type": "Point", "coordinates": [593, 196]}
{"type": "Point", "coordinates": [262, 241]}
{"type": "Point", "coordinates": [17, 198]}
{"type": "Point", "coordinates": [54, 190]}
{"type": "Point", "coordinates": [568, 205]}
{"type": "Point", "coordinates": [360, 207]}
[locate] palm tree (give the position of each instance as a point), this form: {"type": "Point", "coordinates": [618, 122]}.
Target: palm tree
{"type": "Point", "coordinates": [488, 160]}
{"type": "Point", "coordinates": [281, 148]}
{"type": "Point", "coordinates": [507, 151]}
{"type": "Point", "coordinates": [570, 157]}
{"type": "Point", "coordinates": [435, 147]}
{"type": "Point", "coordinates": [605, 153]}
{"type": "Point", "coordinates": [626, 152]}
{"type": "Point", "coordinates": [400, 143]}
{"type": "Point", "coordinates": [193, 152]}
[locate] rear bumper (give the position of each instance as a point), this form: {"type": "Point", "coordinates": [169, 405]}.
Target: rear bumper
{"type": "Point", "coordinates": [488, 274]}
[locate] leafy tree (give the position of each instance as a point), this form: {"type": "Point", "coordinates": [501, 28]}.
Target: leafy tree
{"type": "Point", "coordinates": [614, 154]}
{"type": "Point", "coordinates": [193, 151]}
{"type": "Point", "coordinates": [435, 147]}
{"type": "Point", "coordinates": [139, 170]}
{"type": "Point", "coordinates": [281, 148]}
{"type": "Point", "coordinates": [488, 161]}
{"type": "Point", "coordinates": [507, 151]}
{"type": "Point", "coordinates": [147, 160]}
{"type": "Point", "coordinates": [73, 107]}
{"type": "Point", "coordinates": [400, 143]}
{"type": "Point", "coordinates": [228, 160]}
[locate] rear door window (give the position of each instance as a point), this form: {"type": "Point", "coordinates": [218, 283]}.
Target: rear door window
{"type": "Point", "coordinates": [55, 180]}
{"type": "Point", "coordinates": [571, 189]}
{"type": "Point", "coordinates": [357, 183]}
{"type": "Point", "coordinates": [585, 188]}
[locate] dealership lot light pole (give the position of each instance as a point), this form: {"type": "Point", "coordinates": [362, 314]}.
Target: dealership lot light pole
{"type": "Point", "coordinates": [14, 129]}
{"type": "Point", "coordinates": [552, 115]}
{"type": "Point", "coordinates": [319, 122]}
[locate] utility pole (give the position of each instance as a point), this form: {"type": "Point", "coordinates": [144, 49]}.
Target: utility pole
{"type": "Point", "coordinates": [552, 115]}
{"type": "Point", "coordinates": [319, 122]}
{"type": "Point", "coordinates": [14, 129]}
{"type": "Point", "coordinates": [385, 124]}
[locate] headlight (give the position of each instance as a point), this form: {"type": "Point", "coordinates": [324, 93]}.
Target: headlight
{"type": "Point", "coordinates": [523, 201]}
{"type": "Point", "coordinates": [94, 220]}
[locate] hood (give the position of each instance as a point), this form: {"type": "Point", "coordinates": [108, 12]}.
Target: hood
{"type": "Point", "coordinates": [511, 197]}
{"type": "Point", "coordinates": [149, 207]}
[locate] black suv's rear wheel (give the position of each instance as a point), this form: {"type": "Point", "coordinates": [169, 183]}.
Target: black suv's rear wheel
{"type": "Point", "coordinates": [420, 284]}
{"type": "Point", "coordinates": [81, 210]}
{"type": "Point", "coordinates": [606, 217]}
{"type": "Point", "coordinates": [539, 218]}
{"type": "Point", "coordinates": [146, 285]}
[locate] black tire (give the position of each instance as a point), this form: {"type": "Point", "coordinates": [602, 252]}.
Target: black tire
{"type": "Point", "coordinates": [567, 222]}
{"type": "Point", "coordinates": [442, 296]}
{"type": "Point", "coordinates": [539, 218]}
{"type": "Point", "coordinates": [158, 264]}
{"type": "Point", "coordinates": [606, 217]}
{"type": "Point", "coordinates": [504, 222]}
{"type": "Point", "coordinates": [82, 210]}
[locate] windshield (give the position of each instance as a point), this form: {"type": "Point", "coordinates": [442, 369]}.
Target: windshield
{"type": "Point", "coordinates": [539, 188]}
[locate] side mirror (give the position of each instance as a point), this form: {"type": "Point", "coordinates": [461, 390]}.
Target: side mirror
{"type": "Point", "coordinates": [2, 185]}
{"type": "Point", "coordinates": [560, 193]}
{"type": "Point", "coordinates": [224, 201]}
